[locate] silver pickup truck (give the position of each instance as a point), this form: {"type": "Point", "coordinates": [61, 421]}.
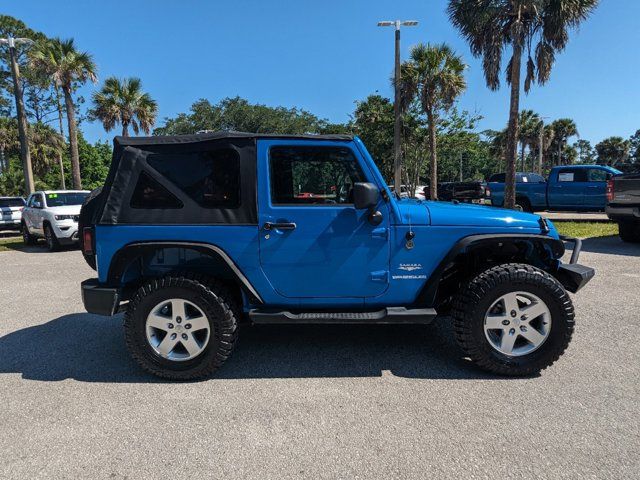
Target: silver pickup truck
{"type": "Point", "coordinates": [623, 205]}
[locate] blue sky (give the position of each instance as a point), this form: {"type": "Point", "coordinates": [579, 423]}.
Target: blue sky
{"type": "Point", "coordinates": [323, 56]}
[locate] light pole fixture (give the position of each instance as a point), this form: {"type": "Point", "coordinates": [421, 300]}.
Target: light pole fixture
{"type": "Point", "coordinates": [22, 118]}
{"type": "Point", "coordinates": [397, 153]}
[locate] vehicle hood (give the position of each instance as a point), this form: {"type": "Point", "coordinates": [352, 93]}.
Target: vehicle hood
{"type": "Point", "coordinates": [413, 212]}
{"type": "Point", "coordinates": [465, 214]}
{"type": "Point", "coordinates": [65, 210]}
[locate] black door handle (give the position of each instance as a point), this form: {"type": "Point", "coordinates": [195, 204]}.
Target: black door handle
{"type": "Point", "coordinates": [279, 226]}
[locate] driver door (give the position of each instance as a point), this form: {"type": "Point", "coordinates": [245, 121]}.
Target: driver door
{"type": "Point", "coordinates": [313, 242]}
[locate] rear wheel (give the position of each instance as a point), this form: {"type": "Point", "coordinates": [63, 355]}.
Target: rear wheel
{"type": "Point", "coordinates": [523, 204]}
{"type": "Point", "coordinates": [50, 238]}
{"type": "Point", "coordinates": [629, 231]}
{"type": "Point", "coordinates": [181, 327]}
{"type": "Point", "coordinates": [513, 319]}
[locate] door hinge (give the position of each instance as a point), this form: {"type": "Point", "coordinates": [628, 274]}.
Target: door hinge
{"type": "Point", "coordinates": [381, 232]}
{"type": "Point", "coordinates": [380, 276]}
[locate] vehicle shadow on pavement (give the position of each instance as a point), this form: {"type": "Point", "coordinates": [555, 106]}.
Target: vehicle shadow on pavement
{"type": "Point", "coordinates": [91, 348]}
{"type": "Point", "coordinates": [611, 245]}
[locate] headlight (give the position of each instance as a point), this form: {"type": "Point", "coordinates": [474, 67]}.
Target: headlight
{"type": "Point", "coordinates": [64, 217]}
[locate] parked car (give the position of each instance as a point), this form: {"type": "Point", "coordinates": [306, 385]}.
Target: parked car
{"type": "Point", "coordinates": [187, 269]}
{"type": "Point", "coordinates": [569, 188]}
{"type": "Point", "coordinates": [466, 192]}
{"type": "Point", "coordinates": [52, 215]}
{"type": "Point", "coordinates": [11, 212]}
{"type": "Point", "coordinates": [623, 205]}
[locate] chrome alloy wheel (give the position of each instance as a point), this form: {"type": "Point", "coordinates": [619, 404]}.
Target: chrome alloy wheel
{"type": "Point", "coordinates": [177, 329]}
{"type": "Point", "coordinates": [517, 323]}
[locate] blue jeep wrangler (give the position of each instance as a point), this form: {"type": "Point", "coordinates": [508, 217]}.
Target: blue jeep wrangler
{"type": "Point", "coordinates": [192, 235]}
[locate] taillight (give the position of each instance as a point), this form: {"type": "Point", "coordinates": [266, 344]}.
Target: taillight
{"type": "Point", "coordinates": [87, 241]}
{"type": "Point", "coordinates": [611, 194]}
{"type": "Point", "coordinates": [487, 192]}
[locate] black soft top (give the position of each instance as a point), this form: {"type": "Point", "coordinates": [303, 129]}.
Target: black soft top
{"type": "Point", "coordinates": [121, 142]}
{"type": "Point", "coordinates": [130, 159]}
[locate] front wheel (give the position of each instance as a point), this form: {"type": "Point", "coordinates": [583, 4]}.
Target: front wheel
{"type": "Point", "coordinates": [513, 319]}
{"type": "Point", "coordinates": [50, 238]}
{"type": "Point", "coordinates": [181, 327]}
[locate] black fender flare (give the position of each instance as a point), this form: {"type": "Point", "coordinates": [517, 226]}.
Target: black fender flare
{"type": "Point", "coordinates": [125, 255]}
{"type": "Point", "coordinates": [428, 293]}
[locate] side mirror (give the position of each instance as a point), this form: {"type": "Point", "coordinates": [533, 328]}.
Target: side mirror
{"type": "Point", "coordinates": [37, 205]}
{"type": "Point", "coordinates": [365, 195]}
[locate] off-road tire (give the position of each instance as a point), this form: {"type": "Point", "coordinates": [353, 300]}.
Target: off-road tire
{"type": "Point", "coordinates": [474, 300]}
{"type": "Point", "coordinates": [629, 232]}
{"type": "Point", "coordinates": [50, 239]}
{"type": "Point", "coordinates": [213, 298]}
{"type": "Point", "coordinates": [27, 238]}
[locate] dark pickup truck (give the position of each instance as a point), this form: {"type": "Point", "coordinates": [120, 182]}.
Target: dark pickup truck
{"type": "Point", "coordinates": [623, 205]}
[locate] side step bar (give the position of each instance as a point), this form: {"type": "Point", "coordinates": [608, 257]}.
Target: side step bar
{"type": "Point", "coordinates": [389, 315]}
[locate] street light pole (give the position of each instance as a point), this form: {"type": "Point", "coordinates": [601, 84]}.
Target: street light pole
{"type": "Point", "coordinates": [22, 119]}
{"type": "Point", "coordinates": [397, 150]}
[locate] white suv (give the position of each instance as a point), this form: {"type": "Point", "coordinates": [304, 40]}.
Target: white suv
{"type": "Point", "coordinates": [11, 211]}
{"type": "Point", "coordinates": [53, 215]}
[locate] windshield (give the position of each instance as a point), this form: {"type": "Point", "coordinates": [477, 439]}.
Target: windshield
{"type": "Point", "coordinates": [63, 199]}
{"type": "Point", "coordinates": [12, 202]}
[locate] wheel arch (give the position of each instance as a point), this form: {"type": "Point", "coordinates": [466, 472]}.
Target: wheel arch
{"type": "Point", "coordinates": [477, 252]}
{"type": "Point", "coordinates": [136, 260]}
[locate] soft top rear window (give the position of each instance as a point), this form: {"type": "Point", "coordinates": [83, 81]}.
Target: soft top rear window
{"type": "Point", "coordinates": [211, 178]}
{"type": "Point", "coordinates": [12, 202]}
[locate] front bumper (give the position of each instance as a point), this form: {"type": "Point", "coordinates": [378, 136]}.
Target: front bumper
{"type": "Point", "coordinates": [572, 275]}
{"type": "Point", "coordinates": [66, 231]}
{"type": "Point", "coordinates": [99, 299]}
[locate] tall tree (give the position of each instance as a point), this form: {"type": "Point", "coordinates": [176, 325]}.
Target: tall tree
{"type": "Point", "coordinates": [529, 132]}
{"type": "Point", "coordinates": [564, 128]}
{"type": "Point", "coordinates": [613, 150]}
{"type": "Point", "coordinates": [68, 68]}
{"type": "Point", "coordinates": [123, 102]}
{"type": "Point", "coordinates": [585, 151]}
{"type": "Point", "coordinates": [434, 75]}
{"type": "Point", "coordinates": [8, 140]}
{"type": "Point", "coordinates": [46, 145]}
{"type": "Point", "coordinates": [634, 143]}
{"type": "Point", "coordinates": [373, 122]}
{"type": "Point", "coordinates": [491, 25]}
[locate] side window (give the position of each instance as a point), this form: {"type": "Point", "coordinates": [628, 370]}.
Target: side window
{"type": "Point", "coordinates": [597, 175]}
{"type": "Point", "coordinates": [313, 175]}
{"type": "Point", "coordinates": [36, 201]}
{"type": "Point", "coordinates": [212, 179]}
{"type": "Point", "coordinates": [577, 175]}
{"type": "Point", "coordinates": [150, 194]}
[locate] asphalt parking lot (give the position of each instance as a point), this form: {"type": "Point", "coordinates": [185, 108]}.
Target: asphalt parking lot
{"type": "Point", "coordinates": [315, 402]}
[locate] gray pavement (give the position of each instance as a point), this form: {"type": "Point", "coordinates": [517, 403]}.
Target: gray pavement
{"type": "Point", "coordinates": [313, 402]}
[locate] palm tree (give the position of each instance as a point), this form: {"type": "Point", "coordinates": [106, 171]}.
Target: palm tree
{"type": "Point", "coordinates": [529, 132]}
{"type": "Point", "coordinates": [125, 103]}
{"type": "Point", "coordinates": [564, 128]}
{"type": "Point", "coordinates": [491, 25]}
{"type": "Point", "coordinates": [46, 147]}
{"type": "Point", "coordinates": [434, 76]}
{"type": "Point", "coordinates": [68, 68]}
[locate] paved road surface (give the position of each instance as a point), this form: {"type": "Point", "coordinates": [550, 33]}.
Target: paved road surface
{"type": "Point", "coordinates": [315, 402]}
